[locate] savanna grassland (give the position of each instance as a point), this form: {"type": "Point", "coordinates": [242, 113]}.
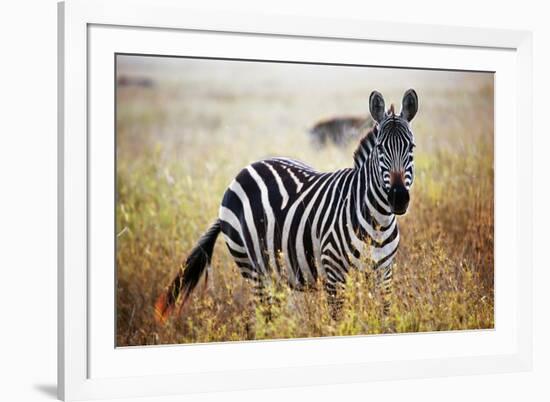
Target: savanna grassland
{"type": "Point", "coordinates": [185, 132]}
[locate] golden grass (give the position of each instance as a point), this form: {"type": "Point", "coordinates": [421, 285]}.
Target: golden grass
{"type": "Point", "coordinates": [178, 147]}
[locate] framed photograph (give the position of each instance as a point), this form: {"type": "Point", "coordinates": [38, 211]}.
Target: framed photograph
{"type": "Point", "coordinates": [254, 201]}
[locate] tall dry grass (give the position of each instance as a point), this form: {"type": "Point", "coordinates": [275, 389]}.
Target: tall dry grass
{"type": "Point", "coordinates": [181, 141]}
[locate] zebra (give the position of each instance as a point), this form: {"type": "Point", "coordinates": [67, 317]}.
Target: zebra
{"type": "Point", "coordinates": [281, 219]}
{"type": "Point", "coordinates": [339, 130]}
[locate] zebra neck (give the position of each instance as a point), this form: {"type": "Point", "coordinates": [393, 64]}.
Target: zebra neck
{"type": "Point", "coordinates": [369, 221]}
{"type": "Point", "coordinates": [375, 197]}
{"type": "Point", "coordinates": [372, 206]}
{"type": "Point", "coordinates": [362, 154]}
{"type": "Point", "coordinates": [375, 181]}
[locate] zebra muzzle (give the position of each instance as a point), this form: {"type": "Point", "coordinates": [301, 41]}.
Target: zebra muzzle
{"type": "Point", "coordinates": [399, 198]}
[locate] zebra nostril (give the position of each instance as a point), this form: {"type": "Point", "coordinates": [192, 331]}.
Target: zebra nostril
{"type": "Point", "coordinates": [393, 194]}
{"type": "Point", "coordinates": [399, 199]}
{"type": "Point", "coordinates": [402, 194]}
{"type": "Point", "coordinates": [398, 191]}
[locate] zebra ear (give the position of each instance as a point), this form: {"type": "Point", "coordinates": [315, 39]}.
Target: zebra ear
{"type": "Point", "coordinates": [410, 105]}
{"type": "Point", "coordinates": [377, 106]}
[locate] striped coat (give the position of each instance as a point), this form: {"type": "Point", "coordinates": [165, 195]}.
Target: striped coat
{"type": "Point", "coordinates": [282, 219]}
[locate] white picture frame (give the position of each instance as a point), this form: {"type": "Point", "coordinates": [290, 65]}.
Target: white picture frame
{"type": "Point", "coordinates": [91, 32]}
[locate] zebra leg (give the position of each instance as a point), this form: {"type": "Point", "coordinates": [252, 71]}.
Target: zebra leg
{"type": "Point", "coordinates": [264, 298]}
{"type": "Point", "coordinates": [384, 282]}
{"type": "Point", "coordinates": [250, 319]}
{"type": "Point", "coordinates": [255, 281]}
{"type": "Point", "coordinates": [261, 299]}
{"type": "Point", "coordinates": [257, 299]}
{"type": "Point", "coordinates": [335, 298]}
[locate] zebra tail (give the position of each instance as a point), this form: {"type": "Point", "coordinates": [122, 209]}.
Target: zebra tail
{"type": "Point", "coordinates": [189, 275]}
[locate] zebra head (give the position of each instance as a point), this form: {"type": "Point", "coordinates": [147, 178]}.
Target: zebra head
{"type": "Point", "coordinates": [394, 148]}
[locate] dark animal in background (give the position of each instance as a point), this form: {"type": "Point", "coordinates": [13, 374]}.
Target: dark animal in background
{"type": "Point", "coordinates": [340, 130]}
{"type": "Point", "coordinates": [135, 81]}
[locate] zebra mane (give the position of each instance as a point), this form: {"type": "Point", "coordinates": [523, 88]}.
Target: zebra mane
{"type": "Point", "coordinates": [362, 152]}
